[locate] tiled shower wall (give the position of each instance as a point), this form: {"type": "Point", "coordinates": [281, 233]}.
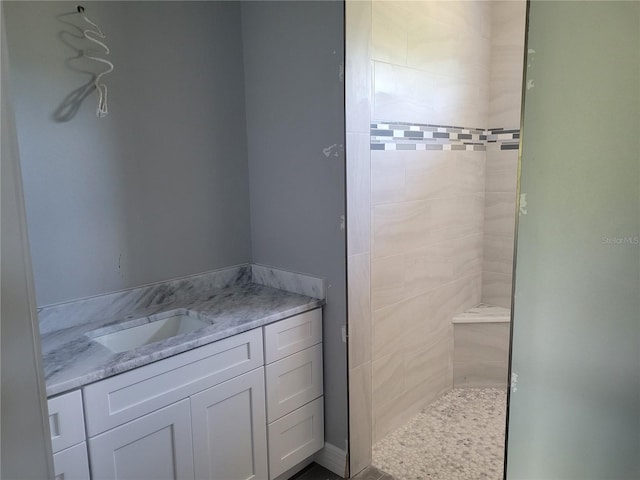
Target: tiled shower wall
{"type": "Point", "coordinates": [357, 101]}
{"type": "Point", "coordinates": [430, 64]}
{"type": "Point", "coordinates": [433, 63]}
{"type": "Point", "coordinates": [505, 91]}
{"type": "Point", "coordinates": [439, 63]}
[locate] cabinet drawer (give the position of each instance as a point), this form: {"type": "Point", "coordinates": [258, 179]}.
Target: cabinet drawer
{"type": "Point", "coordinates": [130, 395]}
{"type": "Point", "coordinates": [293, 334]}
{"type": "Point", "coordinates": [295, 437]}
{"type": "Point", "coordinates": [66, 420]}
{"type": "Point", "coordinates": [72, 463]}
{"type": "Point", "coordinates": [293, 382]}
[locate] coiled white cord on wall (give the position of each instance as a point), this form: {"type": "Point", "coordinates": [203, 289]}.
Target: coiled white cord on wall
{"type": "Point", "coordinates": [101, 88]}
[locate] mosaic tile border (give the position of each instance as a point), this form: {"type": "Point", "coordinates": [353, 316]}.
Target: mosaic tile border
{"type": "Point", "coordinates": [418, 136]}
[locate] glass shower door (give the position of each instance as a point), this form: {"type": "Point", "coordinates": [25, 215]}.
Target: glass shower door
{"type": "Point", "coordinates": [574, 406]}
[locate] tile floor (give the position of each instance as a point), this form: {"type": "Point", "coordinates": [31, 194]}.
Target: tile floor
{"type": "Point", "coordinates": [458, 437]}
{"type": "Point", "coordinates": [316, 472]}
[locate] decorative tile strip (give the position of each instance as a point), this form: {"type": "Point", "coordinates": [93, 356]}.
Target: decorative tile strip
{"type": "Point", "coordinates": [504, 139]}
{"type": "Point", "coordinates": [416, 136]}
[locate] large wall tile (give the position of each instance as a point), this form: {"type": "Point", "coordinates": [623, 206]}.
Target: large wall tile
{"type": "Point", "coordinates": [496, 289]}
{"type": "Point", "coordinates": [460, 15]}
{"type": "Point", "coordinates": [445, 218]}
{"type": "Point", "coordinates": [390, 328]}
{"type": "Point", "coordinates": [358, 185]}
{"type": "Point", "coordinates": [357, 66]}
{"type": "Point", "coordinates": [389, 31]}
{"type": "Point", "coordinates": [505, 97]}
{"type": "Point", "coordinates": [498, 254]}
{"type": "Point", "coordinates": [428, 268]}
{"type": "Point", "coordinates": [470, 214]}
{"type": "Point", "coordinates": [360, 320]}
{"type": "Point", "coordinates": [508, 22]}
{"type": "Point", "coordinates": [507, 61]}
{"type": "Point", "coordinates": [467, 256]}
{"type": "Point", "coordinates": [502, 110]}
{"type": "Point", "coordinates": [481, 342]}
{"type": "Point", "coordinates": [475, 286]}
{"type": "Point", "coordinates": [358, 79]}
{"type": "Point", "coordinates": [390, 416]}
{"type": "Point", "coordinates": [480, 375]}
{"type": "Point", "coordinates": [455, 297]}
{"type": "Point", "coordinates": [507, 55]}
{"type": "Point", "coordinates": [459, 101]}
{"type": "Point", "coordinates": [387, 281]}
{"type": "Point", "coordinates": [430, 363]}
{"type": "Point", "coordinates": [500, 214]}
{"type": "Point", "coordinates": [360, 418]}
{"type": "Point", "coordinates": [429, 327]}
{"type": "Point", "coordinates": [400, 227]}
{"type": "Point", "coordinates": [402, 94]}
{"type": "Point", "coordinates": [469, 171]}
{"type": "Point", "coordinates": [387, 176]}
{"type": "Point", "coordinates": [502, 171]}
{"type": "Point", "coordinates": [429, 174]}
{"type": "Point", "coordinates": [443, 50]}
{"type": "Point", "coordinates": [388, 379]}
{"type": "Point", "coordinates": [410, 95]}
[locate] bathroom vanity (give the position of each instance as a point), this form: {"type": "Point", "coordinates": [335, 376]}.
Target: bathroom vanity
{"type": "Point", "coordinates": [246, 404]}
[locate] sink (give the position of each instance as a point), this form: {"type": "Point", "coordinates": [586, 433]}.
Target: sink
{"type": "Point", "coordinates": [160, 328]}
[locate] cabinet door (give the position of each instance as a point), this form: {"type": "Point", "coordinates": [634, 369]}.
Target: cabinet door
{"type": "Point", "coordinates": [156, 446]}
{"type": "Point", "coordinates": [72, 463]}
{"type": "Point", "coordinates": [229, 429]}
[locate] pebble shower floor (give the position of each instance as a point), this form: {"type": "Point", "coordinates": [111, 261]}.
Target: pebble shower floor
{"type": "Point", "coordinates": [458, 437]}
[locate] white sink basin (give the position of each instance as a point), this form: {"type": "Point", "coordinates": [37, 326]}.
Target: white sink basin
{"type": "Point", "coordinates": [155, 331]}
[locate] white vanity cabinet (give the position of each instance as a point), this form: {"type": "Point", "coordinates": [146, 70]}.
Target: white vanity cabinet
{"type": "Point", "coordinates": [294, 381]}
{"type": "Point", "coordinates": [141, 424]}
{"type": "Point", "coordinates": [215, 412]}
{"type": "Point", "coordinates": [66, 422]}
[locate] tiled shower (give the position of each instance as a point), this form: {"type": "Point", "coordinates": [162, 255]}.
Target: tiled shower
{"type": "Point", "coordinates": [442, 136]}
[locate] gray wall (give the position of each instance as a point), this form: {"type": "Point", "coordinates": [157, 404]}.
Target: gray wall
{"type": "Point", "coordinates": [157, 189]}
{"type": "Point", "coordinates": [160, 187]}
{"type": "Point", "coordinates": [295, 110]}
{"type": "Point", "coordinates": [26, 448]}
{"type": "Point", "coordinates": [576, 336]}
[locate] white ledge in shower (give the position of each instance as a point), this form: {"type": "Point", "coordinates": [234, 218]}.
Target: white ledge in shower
{"type": "Point", "coordinates": [483, 313]}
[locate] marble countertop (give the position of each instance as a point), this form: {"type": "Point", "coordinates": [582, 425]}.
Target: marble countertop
{"type": "Point", "coordinates": [72, 359]}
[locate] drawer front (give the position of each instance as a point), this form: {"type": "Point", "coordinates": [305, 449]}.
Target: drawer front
{"type": "Point", "coordinates": [130, 395]}
{"type": "Point", "coordinates": [293, 382]}
{"type": "Point", "coordinates": [66, 420]}
{"type": "Point", "coordinates": [72, 463]}
{"type": "Point", "coordinates": [292, 335]}
{"type": "Point", "coordinates": [295, 437]}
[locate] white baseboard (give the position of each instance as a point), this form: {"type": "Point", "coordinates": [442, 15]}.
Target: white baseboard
{"type": "Point", "coordinates": [332, 458]}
